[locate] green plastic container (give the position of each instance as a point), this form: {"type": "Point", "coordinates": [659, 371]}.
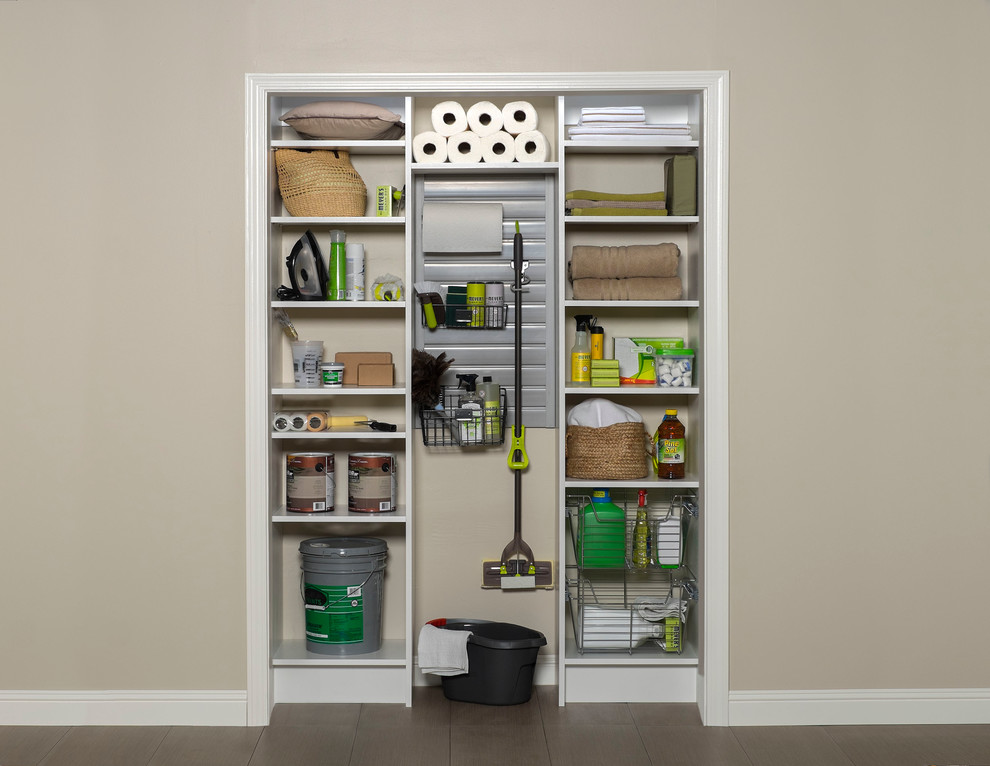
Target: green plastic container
{"type": "Point", "coordinates": [601, 538]}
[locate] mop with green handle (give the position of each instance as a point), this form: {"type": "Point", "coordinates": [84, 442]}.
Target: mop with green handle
{"type": "Point", "coordinates": [517, 569]}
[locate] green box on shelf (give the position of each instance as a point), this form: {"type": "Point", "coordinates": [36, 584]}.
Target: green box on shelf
{"type": "Point", "coordinates": [635, 357]}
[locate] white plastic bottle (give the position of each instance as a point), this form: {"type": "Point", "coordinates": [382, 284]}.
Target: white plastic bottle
{"type": "Point", "coordinates": [490, 392]}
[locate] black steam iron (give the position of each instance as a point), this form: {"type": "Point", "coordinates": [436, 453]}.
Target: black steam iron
{"type": "Point", "coordinates": [307, 271]}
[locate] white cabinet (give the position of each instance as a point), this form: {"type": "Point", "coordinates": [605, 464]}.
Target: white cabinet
{"type": "Point", "coordinates": [279, 667]}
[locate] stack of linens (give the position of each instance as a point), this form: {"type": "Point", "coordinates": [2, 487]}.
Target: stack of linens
{"type": "Point", "coordinates": [619, 123]}
{"type": "Point", "coordinates": [626, 273]}
{"type": "Point", "coordinates": [587, 202]}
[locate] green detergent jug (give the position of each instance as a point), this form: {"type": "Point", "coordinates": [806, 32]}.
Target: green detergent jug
{"type": "Point", "coordinates": [602, 533]}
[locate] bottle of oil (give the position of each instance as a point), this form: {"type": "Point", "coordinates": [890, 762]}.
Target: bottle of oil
{"type": "Point", "coordinates": [668, 442]}
{"type": "Point", "coordinates": [641, 536]}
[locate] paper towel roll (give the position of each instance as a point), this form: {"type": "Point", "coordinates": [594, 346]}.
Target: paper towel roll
{"type": "Point", "coordinates": [484, 118]}
{"type": "Point", "coordinates": [430, 147]}
{"type": "Point", "coordinates": [449, 118]}
{"type": "Point", "coordinates": [464, 147]}
{"type": "Point", "coordinates": [518, 117]}
{"type": "Point", "coordinates": [532, 146]}
{"type": "Point", "coordinates": [462, 227]}
{"type": "Point", "coordinates": [498, 148]}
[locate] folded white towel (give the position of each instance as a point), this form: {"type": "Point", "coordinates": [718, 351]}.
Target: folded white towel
{"type": "Point", "coordinates": [443, 652]}
{"type": "Point", "coordinates": [598, 413]}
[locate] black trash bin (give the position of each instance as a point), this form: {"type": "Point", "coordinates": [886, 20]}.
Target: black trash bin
{"type": "Point", "coordinates": [501, 661]}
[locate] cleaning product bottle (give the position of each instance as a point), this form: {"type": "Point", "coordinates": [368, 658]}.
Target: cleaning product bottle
{"type": "Point", "coordinates": [581, 354]}
{"type": "Point", "coordinates": [470, 406]}
{"type": "Point", "coordinates": [491, 394]}
{"type": "Point", "coordinates": [337, 283]}
{"type": "Point", "coordinates": [597, 341]}
{"type": "Point", "coordinates": [641, 535]}
{"type": "Point", "coordinates": [602, 534]}
{"type": "Point", "coordinates": [668, 447]}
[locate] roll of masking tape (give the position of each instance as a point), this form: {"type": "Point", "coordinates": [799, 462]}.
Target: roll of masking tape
{"type": "Point", "coordinates": [297, 421]}
{"type": "Point", "coordinates": [316, 421]}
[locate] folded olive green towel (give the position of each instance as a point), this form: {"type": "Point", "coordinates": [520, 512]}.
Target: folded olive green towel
{"type": "Point", "coordinates": [624, 261]}
{"type": "Point", "coordinates": [585, 194]}
{"type": "Point", "coordinates": [588, 211]}
{"type": "Point", "coordinates": [571, 204]}
{"type": "Point", "coordinates": [636, 289]}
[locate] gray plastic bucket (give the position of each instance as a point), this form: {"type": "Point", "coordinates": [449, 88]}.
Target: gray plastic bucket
{"type": "Point", "coordinates": [342, 593]}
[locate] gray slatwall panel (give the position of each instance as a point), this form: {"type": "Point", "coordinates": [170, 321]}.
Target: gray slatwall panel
{"type": "Point", "coordinates": [530, 200]}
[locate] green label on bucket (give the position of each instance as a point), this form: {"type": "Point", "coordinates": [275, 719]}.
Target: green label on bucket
{"type": "Point", "coordinates": [334, 614]}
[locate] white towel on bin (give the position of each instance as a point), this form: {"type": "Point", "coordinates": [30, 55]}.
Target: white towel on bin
{"type": "Point", "coordinates": [443, 652]}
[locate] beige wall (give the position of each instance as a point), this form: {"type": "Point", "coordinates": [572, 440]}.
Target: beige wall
{"type": "Point", "coordinates": [858, 243]}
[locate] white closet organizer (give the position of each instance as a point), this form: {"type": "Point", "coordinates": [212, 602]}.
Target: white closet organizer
{"type": "Point", "coordinates": [279, 667]}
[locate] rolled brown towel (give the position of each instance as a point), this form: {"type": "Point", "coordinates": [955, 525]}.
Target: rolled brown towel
{"type": "Point", "coordinates": [590, 262]}
{"type": "Point", "coordinates": [635, 289]}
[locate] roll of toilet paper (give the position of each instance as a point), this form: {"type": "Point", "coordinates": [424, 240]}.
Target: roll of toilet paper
{"type": "Point", "coordinates": [518, 117]}
{"type": "Point", "coordinates": [430, 147]}
{"type": "Point", "coordinates": [449, 118]}
{"type": "Point", "coordinates": [532, 146]}
{"type": "Point", "coordinates": [464, 147]}
{"type": "Point", "coordinates": [498, 148]}
{"type": "Point", "coordinates": [484, 118]}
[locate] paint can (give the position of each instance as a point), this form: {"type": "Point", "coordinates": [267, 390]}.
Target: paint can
{"type": "Point", "coordinates": [343, 587]}
{"type": "Point", "coordinates": [370, 482]}
{"type": "Point", "coordinates": [309, 482]}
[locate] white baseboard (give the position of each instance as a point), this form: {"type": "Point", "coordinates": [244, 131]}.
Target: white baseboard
{"type": "Point", "coordinates": [834, 707]}
{"type": "Point", "coordinates": [123, 708]}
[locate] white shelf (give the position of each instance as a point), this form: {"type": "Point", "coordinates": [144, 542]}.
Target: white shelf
{"type": "Point", "coordinates": [365, 220]}
{"type": "Point", "coordinates": [341, 516]}
{"type": "Point", "coordinates": [688, 482]}
{"type": "Point", "coordinates": [666, 145]}
{"type": "Point", "coordinates": [293, 652]}
{"type": "Point", "coordinates": [288, 389]}
{"type": "Point", "coordinates": [506, 168]}
{"type": "Point", "coordinates": [572, 303]}
{"type": "Point", "coordinates": [339, 305]}
{"type": "Point", "coordinates": [643, 655]}
{"type": "Point", "coordinates": [630, 220]}
{"type": "Point", "coordinates": [632, 389]}
{"type": "Point", "coordinates": [397, 146]}
{"type": "Point", "coordinates": [331, 434]}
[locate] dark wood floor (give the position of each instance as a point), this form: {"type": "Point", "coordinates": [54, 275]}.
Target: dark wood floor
{"type": "Point", "coordinates": [436, 732]}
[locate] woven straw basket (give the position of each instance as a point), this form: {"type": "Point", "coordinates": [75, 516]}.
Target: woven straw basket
{"type": "Point", "coordinates": [618, 451]}
{"type": "Point", "coordinates": [320, 183]}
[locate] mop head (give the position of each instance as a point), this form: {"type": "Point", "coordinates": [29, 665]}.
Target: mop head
{"type": "Point", "coordinates": [517, 574]}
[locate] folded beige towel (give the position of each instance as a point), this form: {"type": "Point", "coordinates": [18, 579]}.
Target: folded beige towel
{"type": "Point", "coordinates": [589, 261]}
{"type": "Point", "coordinates": [637, 289]}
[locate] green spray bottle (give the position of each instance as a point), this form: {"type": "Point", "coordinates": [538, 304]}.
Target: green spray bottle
{"type": "Point", "coordinates": [337, 281]}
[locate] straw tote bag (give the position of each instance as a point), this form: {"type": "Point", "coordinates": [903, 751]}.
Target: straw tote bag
{"type": "Point", "coordinates": [321, 183]}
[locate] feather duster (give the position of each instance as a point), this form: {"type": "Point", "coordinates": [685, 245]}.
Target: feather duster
{"type": "Point", "coordinates": [426, 373]}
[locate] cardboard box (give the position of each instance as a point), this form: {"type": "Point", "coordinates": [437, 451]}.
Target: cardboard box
{"type": "Point", "coordinates": [635, 357]}
{"type": "Point", "coordinates": [352, 359]}
{"type": "Point", "coordinates": [387, 201]}
{"type": "Point", "coordinates": [375, 374]}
